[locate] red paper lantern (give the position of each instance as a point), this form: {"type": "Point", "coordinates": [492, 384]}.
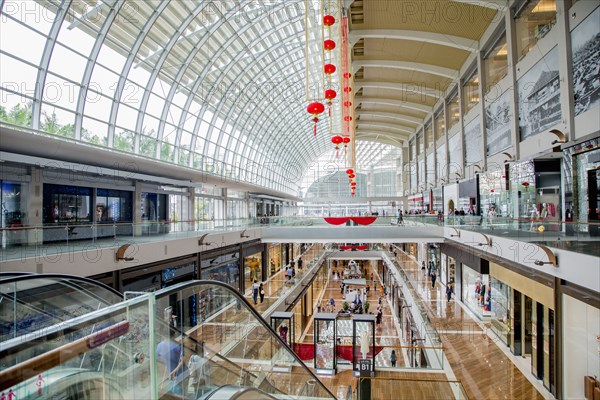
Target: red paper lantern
{"type": "Point", "coordinates": [328, 20]}
{"type": "Point", "coordinates": [347, 118]}
{"type": "Point", "coordinates": [336, 140]}
{"type": "Point", "coordinates": [329, 69]}
{"type": "Point", "coordinates": [347, 89]}
{"type": "Point", "coordinates": [330, 94]}
{"type": "Point", "coordinates": [347, 104]}
{"type": "Point", "coordinates": [353, 184]}
{"type": "Point", "coordinates": [346, 140]}
{"type": "Point", "coordinates": [352, 176]}
{"type": "Point", "coordinates": [349, 171]}
{"type": "Point", "coordinates": [347, 75]}
{"type": "Point", "coordinates": [526, 184]}
{"type": "Point", "coordinates": [315, 109]}
{"type": "Point", "coordinates": [491, 190]}
{"type": "Point", "coordinates": [329, 45]}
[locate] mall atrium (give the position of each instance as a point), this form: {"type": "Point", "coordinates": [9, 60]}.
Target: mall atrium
{"type": "Point", "coordinates": [300, 199]}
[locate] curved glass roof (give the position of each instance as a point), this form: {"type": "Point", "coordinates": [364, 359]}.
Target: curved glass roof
{"type": "Point", "coordinates": [219, 86]}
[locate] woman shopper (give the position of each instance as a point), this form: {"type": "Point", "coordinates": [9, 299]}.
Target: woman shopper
{"type": "Point", "coordinates": [393, 358]}
{"type": "Point", "coordinates": [261, 292]}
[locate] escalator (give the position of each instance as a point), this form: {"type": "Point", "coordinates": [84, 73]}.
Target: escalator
{"type": "Point", "coordinates": [195, 340]}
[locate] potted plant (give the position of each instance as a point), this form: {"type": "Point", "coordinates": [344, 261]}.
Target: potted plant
{"type": "Point", "coordinates": [366, 307]}
{"type": "Point", "coordinates": [345, 306]}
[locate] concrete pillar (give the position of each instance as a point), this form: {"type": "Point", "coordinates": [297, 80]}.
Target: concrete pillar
{"type": "Point", "coordinates": [34, 197]}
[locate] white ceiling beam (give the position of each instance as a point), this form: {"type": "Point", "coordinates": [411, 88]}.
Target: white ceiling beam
{"type": "Point", "coordinates": [393, 103]}
{"type": "Point", "coordinates": [418, 36]}
{"type": "Point", "coordinates": [401, 86]}
{"type": "Point", "coordinates": [381, 114]}
{"type": "Point", "coordinates": [407, 65]}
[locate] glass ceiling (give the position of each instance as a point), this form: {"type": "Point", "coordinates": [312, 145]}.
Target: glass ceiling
{"type": "Point", "coordinates": [218, 86]}
{"type": "Point", "coordinates": [371, 157]}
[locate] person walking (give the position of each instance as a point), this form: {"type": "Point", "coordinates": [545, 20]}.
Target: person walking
{"type": "Point", "coordinates": [393, 358]}
{"type": "Point", "coordinates": [433, 277]}
{"type": "Point", "coordinates": [449, 291]}
{"type": "Point", "coordinates": [261, 292]}
{"type": "Point", "coordinates": [300, 263]}
{"type": "Point", "coordinates": [255, 288]}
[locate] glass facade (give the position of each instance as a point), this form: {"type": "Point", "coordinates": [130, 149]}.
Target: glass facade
{"type": "Point", "coordinates": [495, 63]}
{"type": "Point", "coordinates": [470, 94]}
{"type": "Point", "coordinates": [534, 21]}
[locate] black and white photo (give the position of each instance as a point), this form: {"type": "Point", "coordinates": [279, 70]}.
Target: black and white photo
{"type": "Point", "coordinates": [497, 125]}
{"type": "Point", "coordinates": [585, 47]}
{"type": "Point", "coordinates": [539, 96]}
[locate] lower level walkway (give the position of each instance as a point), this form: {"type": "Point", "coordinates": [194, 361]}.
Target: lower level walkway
{"type": "Point", "coordinates": [474, 353]}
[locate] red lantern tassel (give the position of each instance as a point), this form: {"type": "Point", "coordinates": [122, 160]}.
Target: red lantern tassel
{"type": "Point", "coordinates": [315, 129]}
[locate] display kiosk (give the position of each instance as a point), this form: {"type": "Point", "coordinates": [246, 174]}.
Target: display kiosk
{"type": "Point", "coordinates": [325, 337]}
{"type": "Point", "coordinates": [363, 345]}
{"type": "Point", "coordinates": [283, 324]}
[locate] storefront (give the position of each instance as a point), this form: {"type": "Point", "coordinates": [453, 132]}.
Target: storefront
{"type": "Point", "coordinates": [581, 178]}
{"type": "Point", "coordinates": [448, 270]}
{"type": "Point", "coordinates": [523, 318]}
{"type": "Point", "coordinates": [437, 200]}
{"type": "Point", "coordinates": [580, 345]}
{"type": "Point", "coordinates": [415, 203]}
{"type": "Point", "coordinates": [476, 291]}
{"type": "Point", "coordinates": [13, 202]}
{"type": "Point", "coordinates": [275, 259]}
{"type": "Point", "coordinates": [468, 196]}
{"type": "Point", "coordinates": [496, 200]}
{"type": "Point", "coordinates": [223, 267]}
{"type": "Point", "coordinates": [252, 270]}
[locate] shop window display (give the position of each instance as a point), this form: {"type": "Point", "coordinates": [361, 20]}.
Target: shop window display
{"type": "Point", "coordinates": [252, 269]}
{"type": "Point", "coordinates": [477, 294]}
{"type": "Point", "coordinates": [113, 206]}
{"type": "Point", "coordinates": [67, 204]}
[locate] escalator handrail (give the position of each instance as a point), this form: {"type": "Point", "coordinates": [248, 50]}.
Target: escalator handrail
{"type": "Point", "coordinates": [238, 391]}
{"type": "Point", "coordinates": [186, 285]}
{"type": "Point", "coordinates": [29, 276]}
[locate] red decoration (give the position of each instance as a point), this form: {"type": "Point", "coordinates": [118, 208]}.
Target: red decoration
{"type": "Point", "coordinates": [336, 140]}
{"type": "Point", "coordinates": [347, 104]}
{"type": "Point", "coordinates": [349, 171]}
{"type": "Point", "coordinates": [347, 118]}
{"type": "Point", "coordinates": [346, 140]}
{"type": "Point", "coordinates": [315, 109]}
{"type": "Point", "coordinates": [329, 45]}
{"type": "Point", "coordinates": [328, 20]}
{"type": "Point", "coordinates": [347, 75]}
{"type": "Point", "coordinates": [352, 176]}
{"type": "Point", "coordinates": [330, 69]}
{"type": "Point", "coordinates": [347, 89]}
{"type": "Point", "coordinates": [491, 190]}
{"type": "Point", "coordinates": [330, 94]}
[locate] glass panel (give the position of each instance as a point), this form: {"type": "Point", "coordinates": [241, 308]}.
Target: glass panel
{"type": "Point", "coordinates": [471, 92]}
{"type": "Point", "coordinates": [496, 63]}
{"type": "Point", "coordinates": [534, 21]}
{"type": "Point", "coordinates": [440, 125]}
{"type": "Point", "coordinates": [453, 111]}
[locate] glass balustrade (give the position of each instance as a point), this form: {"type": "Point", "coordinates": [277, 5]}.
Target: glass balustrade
{"type": "Point", "coordinates": [195, 340]}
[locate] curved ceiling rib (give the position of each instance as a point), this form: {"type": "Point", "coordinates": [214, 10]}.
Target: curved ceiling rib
{"type": "Point", "coordinates": [412, 87]}
{"type": "Point", "coordinates": [419, 36]}
{"type": "Point", "coordinates": [406, 65]}
{"type": "Point", "coordinates": [393, 103]}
